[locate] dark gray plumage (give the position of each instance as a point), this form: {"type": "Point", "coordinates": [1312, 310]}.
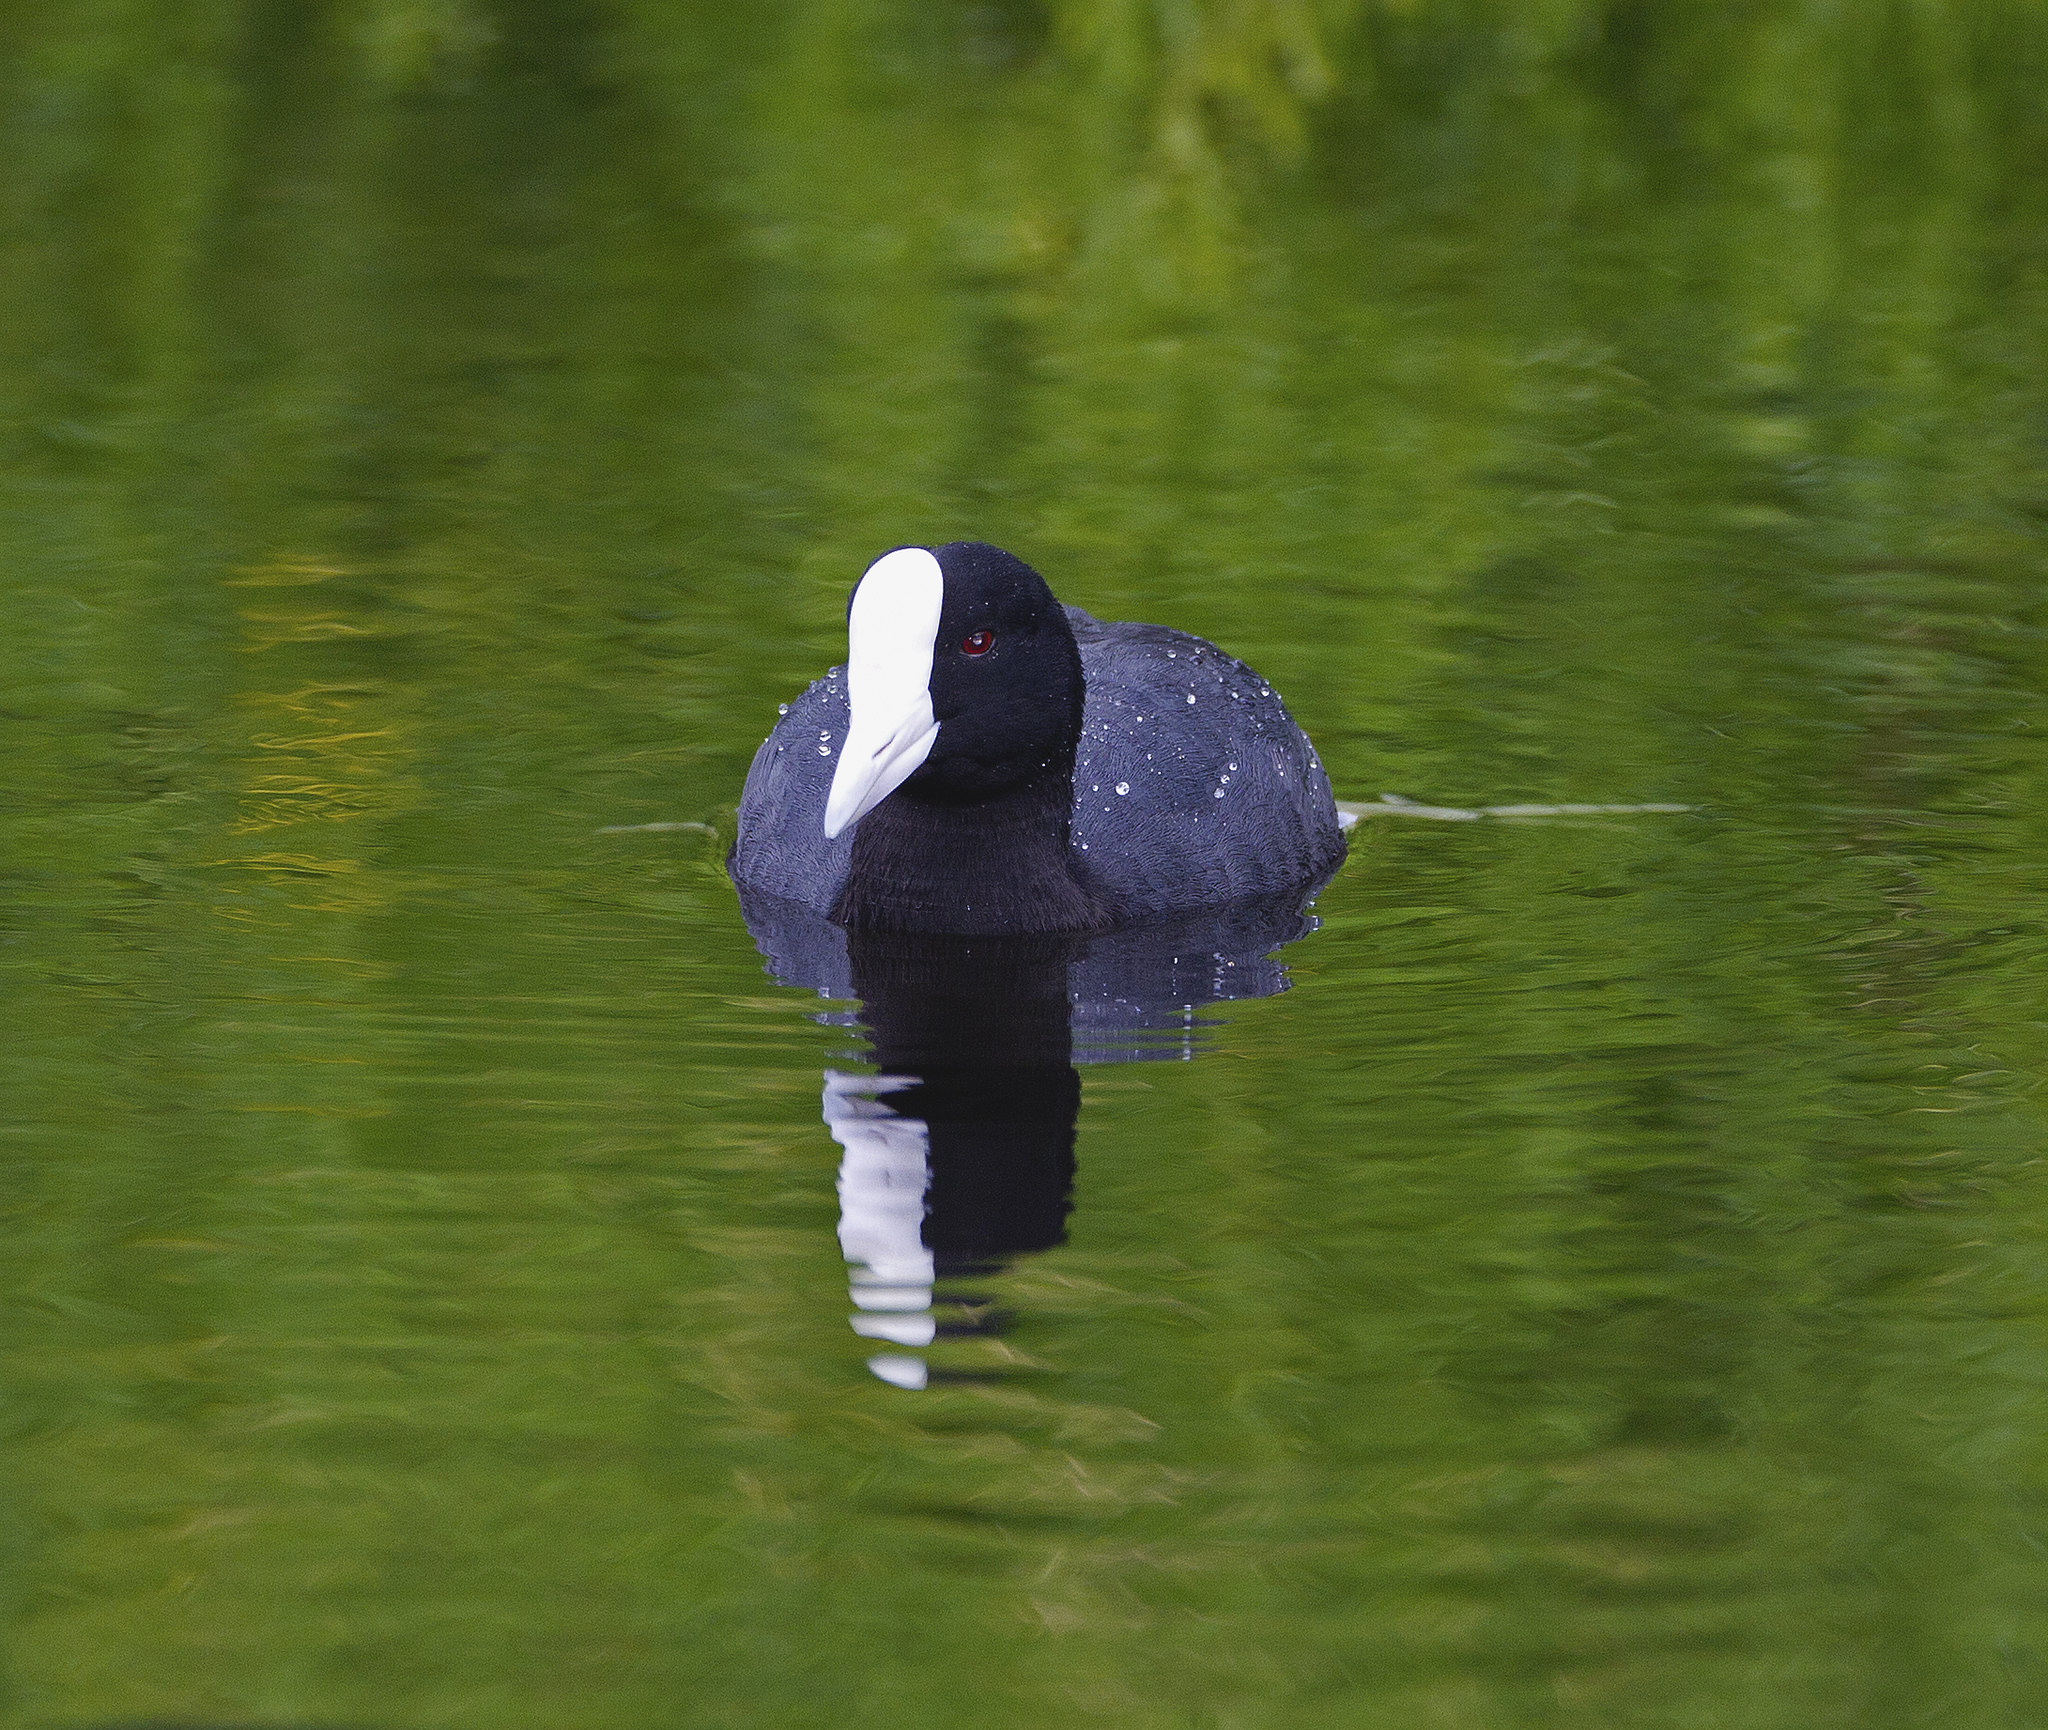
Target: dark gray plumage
{"type": "Point", "coordinates": [1192, 787]}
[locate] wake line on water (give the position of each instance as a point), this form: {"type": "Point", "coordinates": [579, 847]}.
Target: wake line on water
{"type": "Point", "coordinates": [657, 829]}
{"type": "Point", "coordinates": [1350, 811]}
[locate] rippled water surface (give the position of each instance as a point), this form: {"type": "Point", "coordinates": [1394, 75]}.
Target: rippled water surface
{"type": "Point", "coordinates": [1609, 1287]}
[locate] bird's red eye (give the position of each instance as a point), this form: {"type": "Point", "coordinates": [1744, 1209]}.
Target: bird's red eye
{"type": "Point", "coordinates": [977, 642]}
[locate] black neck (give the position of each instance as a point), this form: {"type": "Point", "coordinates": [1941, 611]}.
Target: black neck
{"type": "Point", "coordinates": [1000, 865]}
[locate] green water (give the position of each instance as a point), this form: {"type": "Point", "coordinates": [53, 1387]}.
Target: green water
{"type": "Point", "coordinates": [1610, 1288]}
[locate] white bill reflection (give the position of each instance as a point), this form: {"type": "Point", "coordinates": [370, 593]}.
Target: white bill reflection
{"type": "Point", "coordinates": [884, 1174]}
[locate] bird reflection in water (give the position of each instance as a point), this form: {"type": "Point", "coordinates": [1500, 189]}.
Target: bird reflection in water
{"type": "Point", "coordinates": [958, 1153]}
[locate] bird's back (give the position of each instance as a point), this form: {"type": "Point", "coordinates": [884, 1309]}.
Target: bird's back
{"type": "Point", "coordinates": [1193, 787]}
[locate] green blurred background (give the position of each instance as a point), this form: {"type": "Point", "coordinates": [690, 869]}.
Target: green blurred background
{"type": "Point", "coordinates": [1610, 1290]}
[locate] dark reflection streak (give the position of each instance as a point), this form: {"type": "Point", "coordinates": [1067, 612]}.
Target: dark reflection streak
{"type": "Point", "coordinates": [960, 1154]}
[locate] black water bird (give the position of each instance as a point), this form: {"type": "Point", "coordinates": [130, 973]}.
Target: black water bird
{"type": "Point", "coordinates": [989, 762]}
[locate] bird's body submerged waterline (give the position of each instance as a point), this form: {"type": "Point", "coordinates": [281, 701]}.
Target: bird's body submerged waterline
{"type": "Point", "coordinates": [1084, 776]}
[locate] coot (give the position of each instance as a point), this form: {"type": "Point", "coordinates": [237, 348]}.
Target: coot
{"type": "Point", "coordinates": [990, 762]}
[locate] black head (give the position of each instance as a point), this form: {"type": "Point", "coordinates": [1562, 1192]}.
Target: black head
{"type": "Point", "coordinates": [963, 683]}
{"type": "Point", "coordinates": [1006, 680]}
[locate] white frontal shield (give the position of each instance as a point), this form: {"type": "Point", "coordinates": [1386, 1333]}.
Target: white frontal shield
{"type": "Point", "coordinates": [891, 631]}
